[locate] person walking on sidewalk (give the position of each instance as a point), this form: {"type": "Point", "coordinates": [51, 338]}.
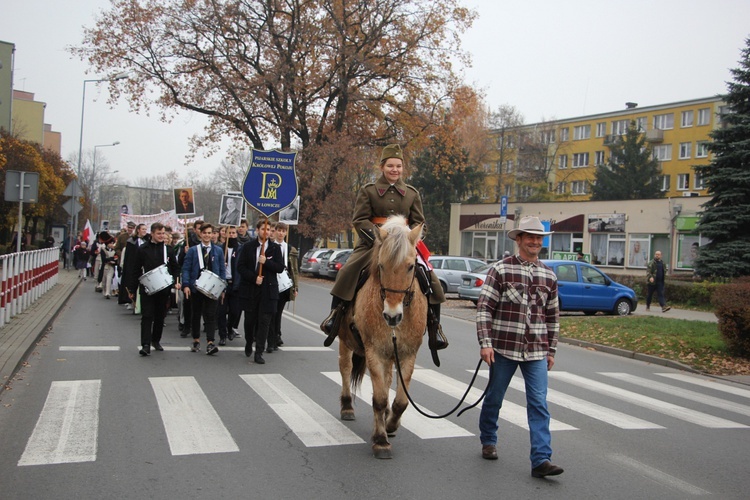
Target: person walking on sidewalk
{"type": "Point", "coordinates": [655, 274]}
{"type": "Point", "coordinates": [203, 257]}
{"type": "Point", "coordinates": [518, 322]}
{"type": "Point", "coordinates": [151, 254]}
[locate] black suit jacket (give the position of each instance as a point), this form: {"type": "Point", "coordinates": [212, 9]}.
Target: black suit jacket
{"type": "Point", "coordinates": [269, 290]}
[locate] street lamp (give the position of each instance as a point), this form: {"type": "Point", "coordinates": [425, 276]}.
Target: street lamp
{"type": "Point", "coordinates": [94, 198]}
{"type": "Point", "coordinates": [74, 218]}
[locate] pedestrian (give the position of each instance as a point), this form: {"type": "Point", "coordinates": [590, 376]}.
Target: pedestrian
{"type": "Point", "coordinates": [81, 258]}
{"type": "Point", "coordinates": [258, 263]}
{"type": "Point", "coordinates": [152, 253]}
{"type": "Point", "coordinates": [389, 195]}
{"type": "Point", "coordinates": [228, 312]}
{"type": "Point", "coordinates": [205, 256]}
{"type": "Point", "coordinates": [242, 232]}
{"type": "Point", "coordinates": [110, 261]}
{"type": "Point", "coordinates": [290, 257]}
{"type": "Point", "coordinates": [518, 321]}
{"type": "Point", "coordinates": [655, 274]}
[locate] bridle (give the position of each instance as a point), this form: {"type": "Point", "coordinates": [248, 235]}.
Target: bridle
{"type": "Point", "coordinates": [408, 292]}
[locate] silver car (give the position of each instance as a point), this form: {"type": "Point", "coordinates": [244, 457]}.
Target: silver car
{"type": "Point", "coordinates": [326, 258]}
{"type": "Point", "coordinates": [450, 269]}
{"type": "Point", "coordinates": [311, 261]}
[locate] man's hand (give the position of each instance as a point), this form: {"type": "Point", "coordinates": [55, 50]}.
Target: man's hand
{"type": "Point", "coordinates": [550, 362]}
{"type": "Point", "coordinates": [262, 259]}
{"type": "Point", "coordinates": [487, 354]}
{"type": "Point", "coordinates": [259, 280]}
{"type": "Point", "coordinates": [651, 280]}
{"type": "Point", "coordinates": [186, 291]}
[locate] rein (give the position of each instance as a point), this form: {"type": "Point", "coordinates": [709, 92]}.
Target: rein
{"type": "Point", "coordinates": [408, 292]}
{"type": "Point", "coordinates": [461, 401]}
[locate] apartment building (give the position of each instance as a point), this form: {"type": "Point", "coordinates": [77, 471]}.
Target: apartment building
{"type": "Point", "coordinates": [557, 160]}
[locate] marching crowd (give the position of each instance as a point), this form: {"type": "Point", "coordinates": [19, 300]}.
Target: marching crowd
{"type": "Point", "coordinates": [210, 277]}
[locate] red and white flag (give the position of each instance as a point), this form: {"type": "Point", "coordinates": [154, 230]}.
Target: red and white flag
{"type": "Point", "coordinates": [88, 233]}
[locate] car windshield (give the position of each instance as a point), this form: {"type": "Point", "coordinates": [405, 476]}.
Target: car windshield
{"type": "Point", "coordinates": [482, 269]}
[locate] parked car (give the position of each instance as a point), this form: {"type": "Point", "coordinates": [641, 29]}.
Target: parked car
{"type": "Point", "coordinates": [337, 263]}
{"type": "Point", "coordinates": [449, 270]}
{"type": "Point", "coordinates": [326, 258]}
{"type": "Point", "coordinates": [580, 287]}
{"type": "Point", "coordinates": [311, 260]}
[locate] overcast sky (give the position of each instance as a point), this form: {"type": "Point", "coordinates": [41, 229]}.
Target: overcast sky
{"type": "Point", "coordinates": [548, 58]}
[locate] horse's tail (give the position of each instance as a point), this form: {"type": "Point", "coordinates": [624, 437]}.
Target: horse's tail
{"type": "Point", "coordinates": [359, 365]}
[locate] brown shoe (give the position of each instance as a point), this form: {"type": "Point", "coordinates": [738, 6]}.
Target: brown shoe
{"type": "Point", "coordinates": [489, 452]}
{"type": "Point", "coordinates": [546, 469]}
{"type": "Point", "coordinates": [665, 309]}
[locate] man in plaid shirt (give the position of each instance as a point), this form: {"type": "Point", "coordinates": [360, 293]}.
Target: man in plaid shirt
{"type": "Point", "coordinates": [518, 321]}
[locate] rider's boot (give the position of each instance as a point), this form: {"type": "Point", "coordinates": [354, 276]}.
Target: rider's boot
{"type": "Point", "coordinates": [436, 337]}
{"type": "Point", "coordinates": [330, 325]}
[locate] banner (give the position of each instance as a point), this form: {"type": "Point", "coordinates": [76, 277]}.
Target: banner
{"type": "Point", "coordinates": [170, 219]}
{"type": "Point", "coordinates": [271, 181]}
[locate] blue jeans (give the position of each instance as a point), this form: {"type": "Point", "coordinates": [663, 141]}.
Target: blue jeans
{"type": "Point", "coordinates": [535, 378]}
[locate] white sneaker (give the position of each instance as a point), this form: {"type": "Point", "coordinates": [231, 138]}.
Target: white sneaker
{"type": "Point", "coordinates": [236, 333]}
{"type": "Point", "coordinates": [129, 307]}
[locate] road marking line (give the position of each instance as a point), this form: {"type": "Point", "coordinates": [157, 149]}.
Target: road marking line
{"type": "Point", "coordinates": [680, 392]}
{"type": "Point", "coordinates": [313, 425]}
{"type": "Point", "coordinates": [707, 382]}
{"type": "Point", "coordinates": [510, 412]}
{"type": "Point", "coordinates": [657, 475]}
{"type": "Point", "coordinates": [421, 426]}
{"type": "Point", "coordinates": [679, 412]}
{"type": "Point", "coordinates": [306, 323]}
{"type": "Point", "coordinates": [89, 348]}
{"type": "Point", "coordinates": [186, 348]}
{"type": "Point", "coordinates": [191, 423]}
{"type": "Point", "coordinates": [68, 425]}
{"type": "Point", "coordinates": [593, 410]}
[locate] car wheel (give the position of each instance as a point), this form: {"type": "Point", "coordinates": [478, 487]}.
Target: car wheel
{"type": "Point", "coordinates": [445, 287]}
{"type": "Point", "coordinates": [622, 307]}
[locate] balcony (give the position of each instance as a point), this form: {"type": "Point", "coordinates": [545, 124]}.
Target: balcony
{"type": "Point", "coordinates": [612, 139]}
{"type": "Point", "coordinates": [655, 135]}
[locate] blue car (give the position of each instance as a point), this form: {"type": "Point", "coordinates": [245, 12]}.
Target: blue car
{"type": "Point", "coordinates": [581, 287]}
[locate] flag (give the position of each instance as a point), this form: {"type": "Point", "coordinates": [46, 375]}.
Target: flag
{"type": "Point", "coordinates": [88, 233]}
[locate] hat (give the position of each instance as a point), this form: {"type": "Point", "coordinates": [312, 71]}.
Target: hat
{"type": "Point", "coordinates": [392, 151]}
{"type": "Point", "coordinates": [531, 225]}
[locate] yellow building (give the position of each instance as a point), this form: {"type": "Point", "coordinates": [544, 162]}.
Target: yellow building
{"type": "Point", "coordinates": [557, 160]}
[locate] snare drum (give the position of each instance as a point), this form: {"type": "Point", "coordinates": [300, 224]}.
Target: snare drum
{"type": "Point", "coordinates": [156, 280]}
{"type": "Point", "coordinates": [210, 285]}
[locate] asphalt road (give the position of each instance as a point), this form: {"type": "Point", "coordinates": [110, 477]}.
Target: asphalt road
{"type": "Point", "coordinates": [89, 418]}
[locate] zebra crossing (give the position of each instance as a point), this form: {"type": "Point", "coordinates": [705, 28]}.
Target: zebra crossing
{"type": "Point", "coordinates": [192, 426]}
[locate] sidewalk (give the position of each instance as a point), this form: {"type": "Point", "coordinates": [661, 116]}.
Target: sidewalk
{"type": "Point", "coordinates": [20, 335]}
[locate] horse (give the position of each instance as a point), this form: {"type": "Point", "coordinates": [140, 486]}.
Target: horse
{"type": "Point", "coordinates": [389, 303]}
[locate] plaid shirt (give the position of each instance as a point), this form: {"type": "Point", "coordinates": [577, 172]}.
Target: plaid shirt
{"type": "Point", "coordinates": [518, 313]}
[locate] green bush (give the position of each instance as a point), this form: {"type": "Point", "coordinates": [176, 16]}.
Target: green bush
{"type": "Point", "coordinates": [732, 306]}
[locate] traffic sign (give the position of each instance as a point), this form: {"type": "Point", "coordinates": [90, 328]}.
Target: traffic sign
{"type": "Point", "coordinates": [73, 189]}
{"type": "Point", "coordinates": [72, 206]}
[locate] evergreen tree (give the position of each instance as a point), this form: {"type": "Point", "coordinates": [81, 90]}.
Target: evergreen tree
{"type": "Point", "coordinates": [726, 218]}
{"type": "Point", "coordinates": [631, 173]}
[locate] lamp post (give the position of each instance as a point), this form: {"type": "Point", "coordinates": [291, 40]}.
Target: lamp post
{"type": "Point", "coordinates": [94, 198]}
{"type": "Point", "coordinates": [74, 218]}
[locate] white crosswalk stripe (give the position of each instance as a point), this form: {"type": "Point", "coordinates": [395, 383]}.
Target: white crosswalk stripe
{"type": "Point", "coordinates": [68, 425]}
{"type": "Point", "coordinates": [679, 412]}
{"type": "Point", "coordinates": [423, 427]}
{"type": "Point", "coordinates": [312, 424]}
{"type": "Point", "coordinates": [707, 382]}
{"type": "Point", "coordinates": [190, 421]}
{"type": "Point", "coordinates": [511, 412]}
{"type": "Point", "coordinates": [592, 410]}
{"type": "Point", "coordinates": [682, 393]}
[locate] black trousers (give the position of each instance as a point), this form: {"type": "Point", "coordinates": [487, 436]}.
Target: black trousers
{"type": "Point", "coordinates": [274, 334]}
{"type": "Point", "coordinates": [228, 312]}
{"type": "Point", "coordinates": [205, 308]}
{"type": "Point", "coordinates": [257, 323]}
{"type": "Point", "coordinates": [153, 312]}
{"type": "Point", "coordinates": [659, 289]}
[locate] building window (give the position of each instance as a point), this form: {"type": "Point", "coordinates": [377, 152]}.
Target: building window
{"type": "Point", "coordinates": [564, 134]}
{"type": "Point", "coordinates": [510, 141]}
{"type": "Point", "coordinates": [683, 182]}
{"type": "Point", "coordinates": [687, 119]}
{"type": "Point", "coordinates": [599, 158]}
{"type": "Point", "coordinates": [525, 191]}
{"type": "Point", "coordinates": [666, 182]}
{"type": "Point", "coordinates": [548, 137]}
{"type": "Point", "coordinates": [509, 190]}
{"type": "Point", "coordinates": [580, 160]}
{"type": "Point", "coordinates": [608, 249]}
{"type": "Point", "coordinates": [663, 152]}
{"type": "Point", "coordinates": [704, 116]}
{"type": "Point", "coordinates": [509, 166]}
{"type": "Point", "coordinates": [601, 129]}
{"type": "Point", "coordinates": [561, 188]}
{"type": "Point", "coordinates": [640, 124]}
{"type": "Point", "coordinates": [581, 132]}
{"type": "Point", "coordinates": [563, 161]}
{"type": "Point", "coordinates": [685, 150]}
{"type": "Point", "coordinates": [701, 149]}
{"type": "Point", "coordinates": [578, 187]}
{"type": "Point", "coordinates": [664, 122]}
{"type": "Point", "coordinates": [698, 181]}
{"type": "Point", "coordinates": [619, 127]}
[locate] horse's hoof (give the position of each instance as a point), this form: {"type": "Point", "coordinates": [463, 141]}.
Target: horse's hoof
{"type": "Point", "coordinates": [391, 434]}
{"type": "Point", "coordinates": [382, 453]}
{"type": "Point", "coordinates": [347, 415]}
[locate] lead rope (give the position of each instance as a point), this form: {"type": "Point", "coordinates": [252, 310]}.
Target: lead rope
{"type": "Point", "coordinates": [421, 412]}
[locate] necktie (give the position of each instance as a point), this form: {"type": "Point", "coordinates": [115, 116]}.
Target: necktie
{"type": "Point", "coordinates": [205, 257]}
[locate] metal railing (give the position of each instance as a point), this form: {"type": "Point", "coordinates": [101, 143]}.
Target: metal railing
{"type": "Point", "coordinates": [24, 278]}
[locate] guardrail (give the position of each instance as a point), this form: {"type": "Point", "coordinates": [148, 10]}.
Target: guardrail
{"type": "Point", "coordinates": [25, 277]}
